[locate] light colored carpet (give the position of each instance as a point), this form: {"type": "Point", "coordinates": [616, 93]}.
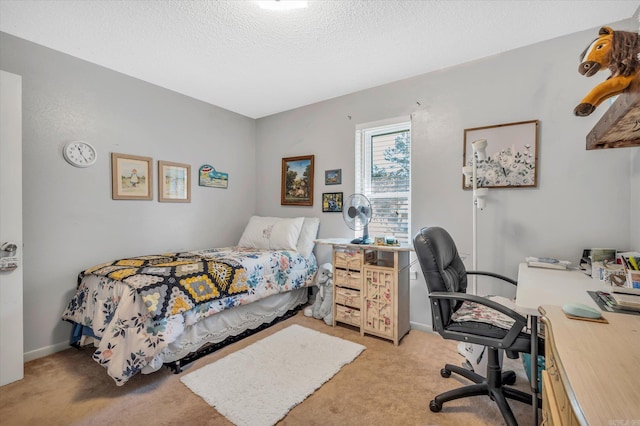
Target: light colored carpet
{"type": "Point", "coordinates": [260, 384]}
{"type": "Point", "coordinates": [387, 385]}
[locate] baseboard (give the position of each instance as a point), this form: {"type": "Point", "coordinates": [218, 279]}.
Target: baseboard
{"type": "Point", "coordinates": [47, 350]}
{"type": "Point", "coordinates": [420, 326]}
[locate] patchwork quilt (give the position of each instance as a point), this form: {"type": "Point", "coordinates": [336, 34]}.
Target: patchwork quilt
{"type": "Point", "coordinates": [131, 309]}
{"type": "Point", "coordinates": [175, 282]}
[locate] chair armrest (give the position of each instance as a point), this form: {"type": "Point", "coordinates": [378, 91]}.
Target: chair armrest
{"type": "Point", "coordinates": [494, 275]}
{"type": "Point", "coordinates": [514, 331]}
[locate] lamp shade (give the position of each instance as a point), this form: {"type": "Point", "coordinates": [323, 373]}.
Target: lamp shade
{"type": "Point", "coordinates": [480, 148]}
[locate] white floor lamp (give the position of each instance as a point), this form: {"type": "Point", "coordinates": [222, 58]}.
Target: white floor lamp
{"type": "Point", "coordinates": [471, 172]}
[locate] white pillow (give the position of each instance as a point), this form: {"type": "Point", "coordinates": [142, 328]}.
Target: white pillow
{"type": "Point", "coordinates": [308, 234]}
{"type": "Point", "coordinates": [271, 233]}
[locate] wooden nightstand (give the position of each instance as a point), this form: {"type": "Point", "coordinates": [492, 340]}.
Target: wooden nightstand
{"type": "Point", "coordinates": [371, 287]}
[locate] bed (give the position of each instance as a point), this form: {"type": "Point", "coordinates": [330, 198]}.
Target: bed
{"type": "Point", "coordinates": [148, 311]}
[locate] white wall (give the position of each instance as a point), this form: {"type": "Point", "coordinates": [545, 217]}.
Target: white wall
{"type": "Point", "coordinates": [70, 220]}
{"type": "Point", "coordinates": [582, 199]}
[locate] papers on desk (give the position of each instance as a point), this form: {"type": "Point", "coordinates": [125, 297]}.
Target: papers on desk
{"type": "Point", "coordinates": [548, 263]}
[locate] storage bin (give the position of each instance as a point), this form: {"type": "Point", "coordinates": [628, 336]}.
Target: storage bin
{"type": "Point", "coordinates": [526, 361]}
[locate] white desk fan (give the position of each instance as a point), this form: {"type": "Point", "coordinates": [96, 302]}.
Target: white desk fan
{"type": "Point", "coordinates": [357, 215]}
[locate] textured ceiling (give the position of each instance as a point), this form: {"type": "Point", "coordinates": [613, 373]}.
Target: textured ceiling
{"type": "Point", "coordinates": [258, 62]}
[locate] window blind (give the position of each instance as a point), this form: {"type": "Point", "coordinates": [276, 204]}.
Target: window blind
{"type": "Point", "coordinates": [383, 174]}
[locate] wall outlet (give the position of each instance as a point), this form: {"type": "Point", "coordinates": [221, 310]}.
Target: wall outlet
{"type": "Point", "coordinates": [413, 274]}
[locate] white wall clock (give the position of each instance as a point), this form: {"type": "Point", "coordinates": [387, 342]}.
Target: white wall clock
{"type": "Point", "coordinates": [80, 153]}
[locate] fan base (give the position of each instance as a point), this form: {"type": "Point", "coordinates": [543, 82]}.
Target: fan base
{"type": "Point", "coordinates": [366, 240]}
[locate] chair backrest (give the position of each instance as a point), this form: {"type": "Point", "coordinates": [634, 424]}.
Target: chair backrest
{"type": "Point", "coordinates": [441, 265]}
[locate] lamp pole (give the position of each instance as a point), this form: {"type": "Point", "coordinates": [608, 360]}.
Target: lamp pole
{"type": "Point", "coordinates": [479, 153]}
{"type": "Point", "coordinates": [474, 185]}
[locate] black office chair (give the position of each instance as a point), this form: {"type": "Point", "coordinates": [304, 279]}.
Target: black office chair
{"type": "Point", "coordinates": [446, 279]}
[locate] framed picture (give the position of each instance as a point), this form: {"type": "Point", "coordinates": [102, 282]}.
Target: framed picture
{"type": "Point", "coordinates": [131, 177]}
{"type": "Point", "coordinates": [174, 182]}
{"type": "Point", "coordinates": [333, 177]}
{"type": "Point", "coordinates": [511, 155]}
{"type": "Point", "coordinates": [332, 202]}
{"type": "Point", "coordinates": [297, 181]}
{"type": "Point", "coordinates": [208, 176]}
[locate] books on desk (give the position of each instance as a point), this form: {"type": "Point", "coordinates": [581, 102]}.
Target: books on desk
{"type": "Point", "coordinates": [627, 301]}
{"type": "Point", "coordinates": [546, 262]}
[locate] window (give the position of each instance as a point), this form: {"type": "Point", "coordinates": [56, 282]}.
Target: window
{"type": "Point", "coordinates": [383, 175]}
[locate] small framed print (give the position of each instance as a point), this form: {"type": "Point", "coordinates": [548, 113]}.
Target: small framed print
{"type": "Point", "coordinates": [174, 182]}
{"type": "Point", "coordinates": [297, 181]}
{"type": "Point", "coordinates": [332, 202]}
{"type": "Point", "coordinates": [333, 177]}
{"type": "Point", "coordinates": [131, 177]}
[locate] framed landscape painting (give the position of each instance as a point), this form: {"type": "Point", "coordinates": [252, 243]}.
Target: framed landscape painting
{"type": "Point", "coordinates": [297, 181]}
{"type": "Point", "coordinates": [333, 177]}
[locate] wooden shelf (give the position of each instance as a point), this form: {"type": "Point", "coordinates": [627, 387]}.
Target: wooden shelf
{"type": "Point", "coordinates": [619, 127]}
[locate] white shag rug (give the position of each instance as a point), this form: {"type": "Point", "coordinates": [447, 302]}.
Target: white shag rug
{"type": "Point", "coordinates": [259, 384]}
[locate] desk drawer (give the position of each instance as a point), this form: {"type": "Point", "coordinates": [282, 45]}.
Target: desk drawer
{"type": "Point", "coordinates": [555, 392]}
{"type": "Point", "coordinates": [550, 411]}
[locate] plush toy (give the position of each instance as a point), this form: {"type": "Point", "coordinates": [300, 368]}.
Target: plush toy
{"type": "Point", "coordinates": [322, 308]}
{"type": "Point", "coordinates": [616, 50]}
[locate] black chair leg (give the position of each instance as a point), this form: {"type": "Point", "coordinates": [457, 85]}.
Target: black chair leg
{"type": "Point", "coordinates": [517, 395]}
{"type": "Point", "coordinates": [503, 405]}
{"type": "Point", "coordinates": [463, 392]}
{"type": "Point", "coordinates": [508, 377]}
{"type": "Point", "coordinates": [468, 374]}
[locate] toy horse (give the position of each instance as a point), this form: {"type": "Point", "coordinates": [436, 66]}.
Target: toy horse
{"type": "Point", "coordinates": [616, 50]}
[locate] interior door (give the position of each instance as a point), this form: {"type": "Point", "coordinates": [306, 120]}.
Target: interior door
{"type": "Point", "coordinates": [11, 267]}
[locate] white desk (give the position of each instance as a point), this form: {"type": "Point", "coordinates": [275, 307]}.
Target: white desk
{"type": "Point", "coordinates": [540, 286]}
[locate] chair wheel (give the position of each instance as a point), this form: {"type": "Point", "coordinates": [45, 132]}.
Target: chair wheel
{"type": "Point", "coordinates": [445, 373]}
{"type": "Point", "coordinates": [509, 378]}
{"type": "Point", "coordinates": [434, 406]}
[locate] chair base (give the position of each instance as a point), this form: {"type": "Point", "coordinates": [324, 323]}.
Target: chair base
{"type": "Point", "coordinates": [492, 387]}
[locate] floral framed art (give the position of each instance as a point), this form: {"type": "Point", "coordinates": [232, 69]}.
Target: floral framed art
{"type": "Point", "coordinates": [332, 202]}
{"type": "Point", "coordinates": [174, 182]}
{"type": "Point", "coordinates": [297, 181]}
{"type": "Point", "coordinates": [333, 177]}
{"type": "Point", "coordinates": [131, 177]}
{"type": "Point", "coordinates": [511, 155]}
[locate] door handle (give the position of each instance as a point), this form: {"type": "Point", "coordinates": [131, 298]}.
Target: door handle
{"type": "Point", "coordinates": [8, 258]}
{"type": "Point", "coordinates": [9, 248]}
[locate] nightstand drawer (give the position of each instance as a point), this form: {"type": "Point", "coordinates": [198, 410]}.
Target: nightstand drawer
{"type": "Point", "coordinates": [349, 279]}
{"type": "Point", "coordinates": [348, 259]}
{"type": "Point", "coordinates": [348, 315]}
{"type": "Point", "coordinates": [347, 297]}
